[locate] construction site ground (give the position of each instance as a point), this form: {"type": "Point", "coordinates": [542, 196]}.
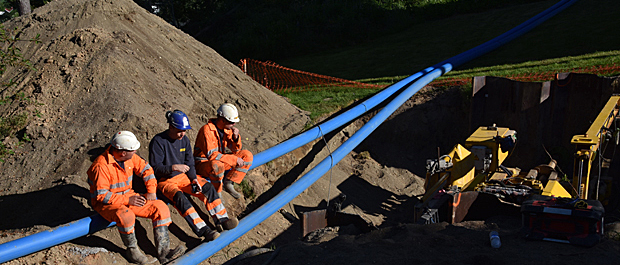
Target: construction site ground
{"type": "Point", "coordinates": [109, 65]}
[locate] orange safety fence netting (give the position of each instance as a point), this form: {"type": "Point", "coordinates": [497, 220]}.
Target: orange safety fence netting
{"type": "Point", "coordinates": [279, 78]}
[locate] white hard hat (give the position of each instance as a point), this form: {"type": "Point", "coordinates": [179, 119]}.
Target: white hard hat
{"type": "Point", "coordinates": [229, 112]}
{"type": "Point", "coordinates": [125, 140]}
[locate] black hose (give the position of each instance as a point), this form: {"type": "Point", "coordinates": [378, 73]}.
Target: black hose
{"type": "Point", "coordinates": [272, 257]}
{"type": "Point", "coordinates": [249, 254]}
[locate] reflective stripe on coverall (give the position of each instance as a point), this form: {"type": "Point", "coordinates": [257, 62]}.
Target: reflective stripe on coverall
{"type": "Point", "coordinates": [211, 160]}
{"type": "Point", "coordinates": [111, 187]}
{"type": "Point", "coordinates": [180, 183]}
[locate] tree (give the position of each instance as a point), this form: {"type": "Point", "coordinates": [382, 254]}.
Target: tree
{"type": "Point", "coordinates": [23, 6]}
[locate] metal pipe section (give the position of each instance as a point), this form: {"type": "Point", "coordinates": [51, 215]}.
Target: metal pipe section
{"type": "Point", "coordinates": [206, 250]}
{"type": "Point", "coordinates": [42, 240]}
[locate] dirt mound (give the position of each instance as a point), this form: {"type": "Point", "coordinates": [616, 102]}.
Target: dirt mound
{"type": "Point", "coordinates": [104, 66]}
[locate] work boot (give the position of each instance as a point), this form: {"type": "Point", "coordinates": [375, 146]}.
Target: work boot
{"type": "Point", "coordinates": [134, 254]}
{"type": "Point", "coordinates": [230, 188]}
{"type": "Point", "coordinates": [162, 242]}
{"type": "Point", "coordinates": [208, 234]}
{"type": "Point", "coordinates": [230, 223]}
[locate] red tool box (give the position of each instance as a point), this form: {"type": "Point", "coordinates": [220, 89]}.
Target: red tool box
{"type": "Point", "coordinates": [574, 221]}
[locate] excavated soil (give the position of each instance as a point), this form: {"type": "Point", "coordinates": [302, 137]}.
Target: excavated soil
{"type": "Point", "coordinates": [108, 65]}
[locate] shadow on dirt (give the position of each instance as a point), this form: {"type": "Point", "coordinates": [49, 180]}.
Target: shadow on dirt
{"type": "Point", "coordinates": [287, 179]}
{"type": "Point", "coordinates": [50, 207]}
{"type": "Point", "coordinates": [374, 200]}
{"type": "Point", "coordinates": [420, 126]}
{"type": "Point", "coordinates": [356, 194]}
{"type": "Point", "coordinates": [144, 243]}
{"type": "Point", "coordinates": [291, 176]}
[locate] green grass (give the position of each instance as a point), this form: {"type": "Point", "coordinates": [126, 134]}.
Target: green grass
{"type": "Point", "coordinates": [583, 35]}
{"type": "Point", "coordinates": [10, 124]}
{"type": "Point", "coordinates": [586, 27]}
{"type": "Point", "coordinates": [326, 101]}
{"type": "Point", "coordinates": [531, 67]}
{"type": "Point", "coordinates": [247, 190]}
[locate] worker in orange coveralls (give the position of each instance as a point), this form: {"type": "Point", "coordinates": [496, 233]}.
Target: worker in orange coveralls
{"type": "Point", "coordinates": [210, 151]}
{"type": "Point", "coordinates": [170, 154]}
{"type": "Point", "coordinates": [110, 178]}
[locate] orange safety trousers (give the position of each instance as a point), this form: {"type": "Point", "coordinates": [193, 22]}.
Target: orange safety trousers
{"type": "Point", "coordinates": [181, 183]}
{"type": "Point", "coordinates": [125, 216]}
{"type": "Point", "coordinates": [215, 169]}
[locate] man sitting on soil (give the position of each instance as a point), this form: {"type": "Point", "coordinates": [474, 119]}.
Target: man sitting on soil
{"type": "Point", "coordinates": [170, 154]}
{"type": "Point", "coordinates": [110, 178]}
{"type": "Point", "coordinates": [210, 147]}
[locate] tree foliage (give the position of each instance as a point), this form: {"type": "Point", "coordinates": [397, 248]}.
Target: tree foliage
{"type": "Point", "coordinates": [276, 29]}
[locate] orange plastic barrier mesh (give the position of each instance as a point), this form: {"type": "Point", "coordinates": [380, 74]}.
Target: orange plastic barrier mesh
{"type": "Point", "coordinates": [279, 78]}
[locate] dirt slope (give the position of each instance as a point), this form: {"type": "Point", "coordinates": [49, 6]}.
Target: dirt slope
{"type": "Point", "coordinates": [104, 66]}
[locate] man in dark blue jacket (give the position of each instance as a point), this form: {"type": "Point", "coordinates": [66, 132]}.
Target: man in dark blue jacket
{"type": "Point", "coordinates": [170, 155]}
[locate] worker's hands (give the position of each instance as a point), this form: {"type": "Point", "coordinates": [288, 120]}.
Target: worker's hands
{"type": "Point", "coordinates": [240, 162]}
{"type": "Point", "coordinates": [150, 196]}
{"type": "Point", "coordinates": [180, 168]}
{"type": "Point", "coordinates": [235, 133]}
{"type": "Point", "coordinates": [196, 186]}
{"type": "Point", "coordinates": [137, 200]}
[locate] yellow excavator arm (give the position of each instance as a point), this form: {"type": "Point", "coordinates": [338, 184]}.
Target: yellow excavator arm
{"type": "Point", "coordinates": [589, 145]}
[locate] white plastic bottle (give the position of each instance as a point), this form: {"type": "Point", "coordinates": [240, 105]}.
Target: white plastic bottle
{"type": "Point", "coordinates": [494, 237]}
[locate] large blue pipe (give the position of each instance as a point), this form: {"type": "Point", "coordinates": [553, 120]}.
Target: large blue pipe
{"type": "Point", "coordinates": [332, 124]}
{"type": "Point", "coordinates": [250, 221]}
{"type": "Point", "coordinates": [42, 240]}
{"type": "Point", "coordinates": [204, 251]}
{"type": "Point", "coordinates": [39, 241]}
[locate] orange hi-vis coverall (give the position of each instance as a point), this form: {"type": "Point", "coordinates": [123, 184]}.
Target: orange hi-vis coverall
{"type": "Point", "coordinates": [111, 187]}
{"type": "Point", "coordinates": [173, 188]}
{"type": "Point", "coordinates": [164, 152]}
{"type": "Point", "coordinates": [213, 162]}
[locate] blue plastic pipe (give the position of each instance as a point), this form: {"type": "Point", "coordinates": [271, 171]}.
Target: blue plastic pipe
{"type": "Point", "coordinates": [206, 250]}
{"type": "Point", "coordinates": [250, 221]}
{"type": "Point", "coordinates": [42, 240]}
{"type": "Point", "coordinates": [332, 124]}
{"type": "Point", "coordinates": [39, 241]}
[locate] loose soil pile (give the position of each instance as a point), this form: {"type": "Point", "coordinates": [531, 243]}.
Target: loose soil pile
{"type": "Point", "coordinates": [108, 65]}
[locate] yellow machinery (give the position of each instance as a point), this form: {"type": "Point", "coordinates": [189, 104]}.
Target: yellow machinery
{"type": "Point", "coordinates": [452, 178]}
{"type": "Point", "coordinates": [592, 145]}
{"type": "Point", "coordinates": [454, 181]}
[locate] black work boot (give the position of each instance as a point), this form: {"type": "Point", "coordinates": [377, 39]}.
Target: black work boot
{"type": "Point", "coordinates": [208, 234]}
{"type": "Point", "coordinates": [162, 242]}
{"type": "Point", "coordinates": [229, 223]}
{"type": "Point", "coordinates": [230, 188]}
{"type": "Point", "coordinates": [134, 254]}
